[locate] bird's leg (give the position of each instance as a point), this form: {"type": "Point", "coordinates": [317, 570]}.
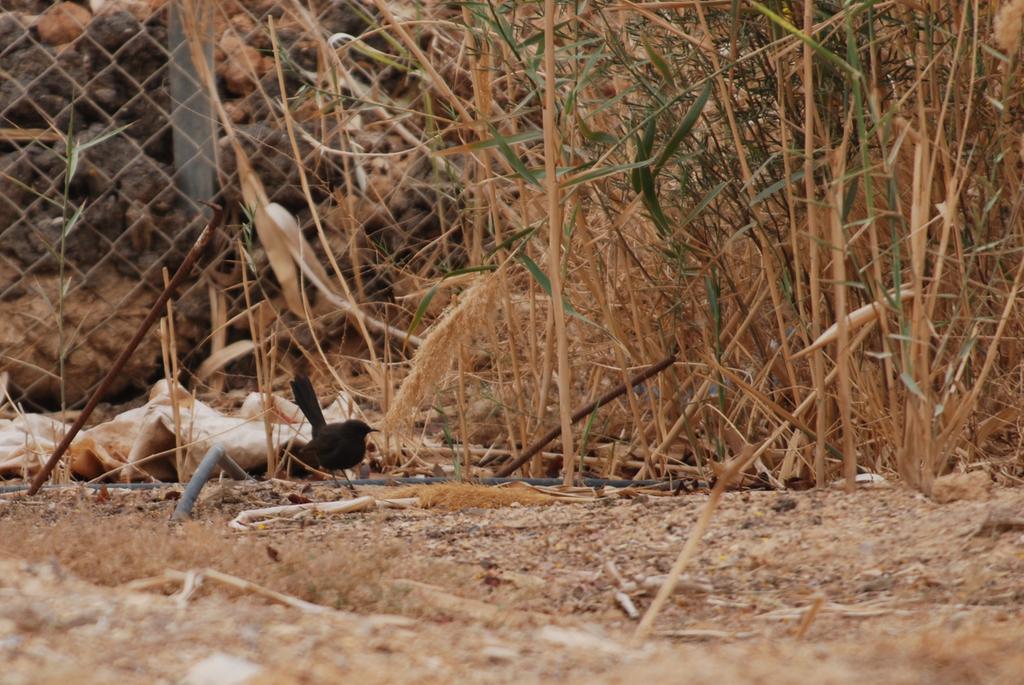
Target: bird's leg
{"type": "Point", "coordinates": [351, 487]}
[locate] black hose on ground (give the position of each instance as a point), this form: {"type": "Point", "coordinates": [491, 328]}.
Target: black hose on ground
{"type": "Point", "coordinates": [366, 482]}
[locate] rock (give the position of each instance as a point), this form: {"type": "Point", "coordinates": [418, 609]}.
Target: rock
{"type": "Point", "coordinates": [271, 156]}
{"type": "Point", "coordinates": [956, 486]}
{"type": "Point", "coordinates": [34, 90]}
{"type": "Point", "coordinates": [26, 6]}
{"type": "Point", "coordinates": [11, 28]}
{"type": "Point", "coordinates": [102, 314]}
{"type": "Point", "coordinates": [112, 29]}
{"type": "Point", "coordinates": [62, 23]}
{"type": "Point", "coordinates": [238, 111]}
{"type": "Point", "coordinates": [242, 66]}
{"type": "Point", "coordinates": [142, 10]}
{"type": "Point", "coordinates": [222, 669]}
{"type": "Point", "coordinates": [119, 159]}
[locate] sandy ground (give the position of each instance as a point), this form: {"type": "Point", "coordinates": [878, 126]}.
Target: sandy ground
{"type": "Point", "coordinates": [907, 590]}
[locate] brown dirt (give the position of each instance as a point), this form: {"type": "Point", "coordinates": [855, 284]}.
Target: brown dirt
{"type": "Point", "coordinates": [912, 591]}
{"type": "Point", "coordinates": [115, 304]}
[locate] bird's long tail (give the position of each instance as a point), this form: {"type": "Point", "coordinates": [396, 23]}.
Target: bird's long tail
{"type": "Point", "coordinates": [305, 397]}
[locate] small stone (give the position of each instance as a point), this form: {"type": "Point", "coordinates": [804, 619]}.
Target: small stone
{"type": "Point", "coordinates": [62, 23]}
{"type": "Point", "coordinates": [499, 654]}
{"type": "Point", "coordinates": [238, 111]}
{"type": "Point", "coordinates": [784, 504]}
{"type": "Point", "coordinates": [242, 65]}
{"type": "Point", "coordinates": [142, 10]}
{"type": "Point", "coordinates": [222, 669]}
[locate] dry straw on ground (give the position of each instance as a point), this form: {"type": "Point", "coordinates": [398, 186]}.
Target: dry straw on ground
{"type": "Point", "coordinates": [456, 496]}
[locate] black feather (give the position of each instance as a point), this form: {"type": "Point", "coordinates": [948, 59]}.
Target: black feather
{"type": "Point", "coordinates": [305, 397]}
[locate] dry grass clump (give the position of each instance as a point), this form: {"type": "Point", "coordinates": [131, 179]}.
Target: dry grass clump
{"type": "Point", "coordinates": [325, 570]}
{"type": "Point", "coordinates": [1007, 27]}
{"type": "Point", "coordinates": [456, 496]}
{"type": "Point", "coordinates": [457, 326]}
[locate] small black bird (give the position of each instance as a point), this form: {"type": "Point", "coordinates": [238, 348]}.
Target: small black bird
{"type": "Point", "coordinates": [334, 445]}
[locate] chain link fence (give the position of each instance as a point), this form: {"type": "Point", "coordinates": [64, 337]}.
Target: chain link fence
{"type": "Point", "coordinates": [109, 147]}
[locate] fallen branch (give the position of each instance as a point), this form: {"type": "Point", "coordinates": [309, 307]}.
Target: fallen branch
{"type": "Point", "coordinates": [192, 580]}
{"type": "Point", "coordinates": [730, 472]}
{"type": "Point", "coordinates": [255, 517]}
{"type": "Point", "coordinates": [604, 399]}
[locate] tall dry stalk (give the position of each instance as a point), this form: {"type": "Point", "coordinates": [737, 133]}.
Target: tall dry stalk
{"type": "Point", "coordinates": [552, 157]}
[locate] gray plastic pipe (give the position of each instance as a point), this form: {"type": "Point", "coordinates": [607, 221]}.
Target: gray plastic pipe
{"type": "Point", "coordinates": [214, 457]}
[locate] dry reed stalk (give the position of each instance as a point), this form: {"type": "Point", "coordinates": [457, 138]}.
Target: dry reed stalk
{"type": "Point", "coordinates": [218, 330]}
{"type": "Point", "coordinates": [729, 473]}
{"type": "Point", "coordinates": [543, 383]}
{"type": "Point", "coordinates": [461, 366]}
{"type": "Point", "coordinates": [843, 352]}
{"type": "Point", "coordinates": [433, 359]}
{"type": "Point", "coordinates": [169, 352]}
{"type": "Point", "coordinates": [264, 383]}
{"type": "Point", "coordinates": [552, 156]}
{"type": "Point", "coordinates": [813, 235]}
{"type": "Point", "coordinates": [916, 449]}
{"type": "Point", "coordinates": [809, 616]}
{"type": "Point", "coordinates": [270, 365]}
{"type": "Point", "coordinates": [170, 374]}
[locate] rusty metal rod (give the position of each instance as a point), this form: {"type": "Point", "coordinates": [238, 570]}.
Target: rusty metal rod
{"type": "Point", "coordinates": [129, 349]}
{"type": "Point", "coordinates": [604, 399]}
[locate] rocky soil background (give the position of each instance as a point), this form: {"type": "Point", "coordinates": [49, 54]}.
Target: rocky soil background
{"type": "Point", "coordinates": [881, 586]}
